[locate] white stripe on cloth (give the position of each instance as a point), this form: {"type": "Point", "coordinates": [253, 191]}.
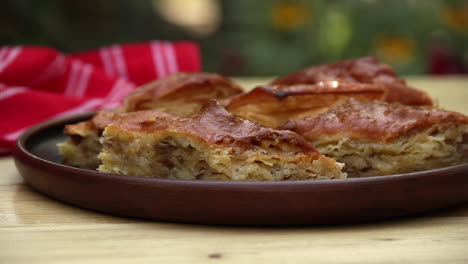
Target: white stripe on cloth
{"type": "Point", "coordinates": [9, 58]}
{"type": "Point", "coordinates": [114, 93]}
{"type": "Point", "coordinates": [9, 92]}
{"type": "Point", "coordinates": [78, 79]}
{"type": "Point", "coordinates": [73, 76]}
{"type": "Point", "coordinates": [107, 61]}
{"type": "Point", "coordinates": [158, 60]}
{"type": "Point", "coordinates": [14, 135]}
{"type": "Point", "coordinates": [4, 51]}
{"type": "Point", "coordinates": [170, 57]}
{"type": "Point", "coordinates": [120, 89]}
{"type": "Point", "coordinates": [86, 106]}
{"type": "Point", "coordinates": [54, 69]}
{"type": "Point", "coordinates": [111, 105]}
{"type": "Point", "coordinates": [120, 66]}
{"type": "Point", "coordinates": [82, 84]}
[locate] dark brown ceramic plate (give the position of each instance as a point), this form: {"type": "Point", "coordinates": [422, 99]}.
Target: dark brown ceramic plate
{"type": "Point", "coordinates": [235, 203]}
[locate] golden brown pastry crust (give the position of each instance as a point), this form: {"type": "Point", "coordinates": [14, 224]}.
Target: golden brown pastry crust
{"type": "Point", "coordinates": [79, 129]}
{"type": "Point", "coordinates": [83, 146]}
{"type": "Point", "coordinates": [212, 145]}
{"type": "Point", "coordinates": [181, 94]}
{"type": "Point", "coordinates": [362, 70]}
{"type": "Point", "coordinates": [213, 125]}
{"type": "Point", "coordinates": [272, 105]}
{"type": "Point", "coordinates": [376, 120]}
{"type": "Point", "coordinates": [190, 87]}
{"type": "Point", "coordinates": [98, 122]}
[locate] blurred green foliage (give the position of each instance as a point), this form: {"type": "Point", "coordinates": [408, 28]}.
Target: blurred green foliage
{"type": "Point", "coordinates": [258, 37]}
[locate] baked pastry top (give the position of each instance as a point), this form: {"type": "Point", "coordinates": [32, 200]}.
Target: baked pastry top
{"type": "Point", "coordinates": [355, 112]}
{"type": "Point", "coordinates": [212, 145]}
{"type": "Point", "coordinates": [181, 93]}
{"type": "Point", "coordinates": [272, 105]}
{"type": "Point", "coordinates": [99, 121]}
{"type": "Point", "coordinates": [82, 146]}
{"type": "Point", "coordinates": [380, 138]}
{"type": "Point", "coordinates": [213, 125]}
{"type": "Point", "coordinates": [362, 70]}
{"type": "Point", "coordinates": [372, 120]}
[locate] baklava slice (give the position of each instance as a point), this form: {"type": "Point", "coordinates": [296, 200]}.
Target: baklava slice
{"type": "Point", "coordinates": [361, 70]}
{"type": "Point", "coordinates": [181, 93]}
{"type": "Point", "coordinates": [212, 145]}
{"type": "Point", "coordinates": [272, 105]}
{"type": "Point", "coordinates": [380, 138]}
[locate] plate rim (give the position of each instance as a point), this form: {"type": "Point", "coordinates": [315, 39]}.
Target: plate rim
{"type": "Point", "coordinates": [243, 203]}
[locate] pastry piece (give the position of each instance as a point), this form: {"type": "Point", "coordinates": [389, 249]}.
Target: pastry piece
{"type": "Point", "coordinates": [181, 93]}
{"type": "Point", "coordinates": [272, 105]}
{"type": "Point", "coordinates": [362, 70]}
{"type": "Point", "coordinates": [212, 145]}
{"type": "Point", "coordinates": [379, 138]}
{"type": "Point", "coordinates": [82, 147]}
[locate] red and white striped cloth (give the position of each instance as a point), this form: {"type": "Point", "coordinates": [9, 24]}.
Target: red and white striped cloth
{"type": "Point", "coordinates": [40, 83]}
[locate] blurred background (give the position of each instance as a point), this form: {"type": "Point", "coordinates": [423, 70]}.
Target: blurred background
{"type": "Point", "coordinates": [256, 38]}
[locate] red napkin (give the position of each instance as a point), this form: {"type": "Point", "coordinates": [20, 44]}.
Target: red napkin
{"type": "Point", "coordinates": [40, 83]}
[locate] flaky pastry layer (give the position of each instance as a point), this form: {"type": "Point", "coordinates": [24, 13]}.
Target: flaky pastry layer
{"type": "Point", "coordinates": [212, 145]}
{"type": "Point", "coordinates": [181, 93]}
{"type": "Point", "coordinates": [428, 149]}
{"type": "Point", "coordinates": [378, 138]}
{"type": "Point", "coordinates": [176, 155]}
{"type": "Point", "coordinates": [360, 70]}
{"type": "Point", "coordinates": [272, 105]}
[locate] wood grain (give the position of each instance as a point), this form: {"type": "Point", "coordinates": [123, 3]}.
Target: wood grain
{"type": "Point", "coordinates": [37, 229]}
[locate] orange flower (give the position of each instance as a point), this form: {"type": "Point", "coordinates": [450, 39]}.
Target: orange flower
{"type": "Point", "coordinates": [456, 17]}
{"type": "Point", "coordinates": [289, 16]}
{"type": "Point", "coordinates": [395, 49]}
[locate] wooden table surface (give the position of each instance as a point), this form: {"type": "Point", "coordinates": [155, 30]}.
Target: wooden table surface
{"type": "Point", "coordinates": [37, 229]}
